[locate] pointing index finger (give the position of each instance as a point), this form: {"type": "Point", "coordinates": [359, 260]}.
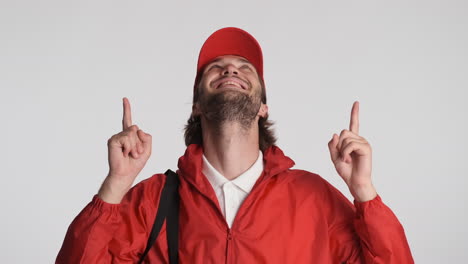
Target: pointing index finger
{"type": "Point", "coordinates": [127, 114]}
{"type": "Point", "coordinates": [354, 123]}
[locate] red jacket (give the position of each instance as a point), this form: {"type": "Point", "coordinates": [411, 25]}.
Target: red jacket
{"type": "Point", "coordinates": [290, 216]}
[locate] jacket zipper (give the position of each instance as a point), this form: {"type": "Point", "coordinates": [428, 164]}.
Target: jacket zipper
{"type": "Point", "coordinates": [228, 246]}
{"type": "Point", "coordinates": [229, 229]}
{"type": "Point", "coordinates": [229, 232]}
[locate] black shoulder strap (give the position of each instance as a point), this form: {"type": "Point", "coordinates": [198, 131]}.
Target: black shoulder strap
{"type": "Point", "coordinates": [172, 220]}
{"type": "Point", "coordinates": [168, 209]}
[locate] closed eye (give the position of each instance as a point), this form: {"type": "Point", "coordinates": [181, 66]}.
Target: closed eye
{"type": "Point", "coordinates": [214, 66]}
{"type": "Point", "coordinates": [246, 66]}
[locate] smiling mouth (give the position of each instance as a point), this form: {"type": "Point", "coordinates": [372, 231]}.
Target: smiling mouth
{"type": "Point", "coordinates": [230, 83]}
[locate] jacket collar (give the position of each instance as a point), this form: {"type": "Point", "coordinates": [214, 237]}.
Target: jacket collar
{"type": "Point", "coordinates": [191, 166]}
{"type": "Point", "coordinates": [244, 181]}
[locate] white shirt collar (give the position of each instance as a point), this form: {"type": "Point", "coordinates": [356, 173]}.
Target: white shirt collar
{"type": "Point", "coordinates": [245, 181]}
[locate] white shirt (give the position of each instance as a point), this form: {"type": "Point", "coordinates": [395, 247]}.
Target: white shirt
{"type": "Point", "coordinates": [231, 194]}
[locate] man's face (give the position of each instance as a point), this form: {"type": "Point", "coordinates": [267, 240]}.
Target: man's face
{"type": "Point", "coordinates": [230, 72]}
{"type": "Point", "coordinates": [230, 90]}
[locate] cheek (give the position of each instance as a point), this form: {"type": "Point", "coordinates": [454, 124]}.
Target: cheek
{"type": "Point", "coordinates": [206, 80]}
{"type": "Point", "coordinates": [203, 87]}
{"type": "Point", "coordinates": [253, 79]}
{"type": "Point", "coordinates": [256, 85]}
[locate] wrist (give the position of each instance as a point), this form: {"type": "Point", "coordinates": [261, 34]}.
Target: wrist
{"type": "Point", "coordinates": [363, 193]}
{"type": "Point", "coordinates": [112, 191]}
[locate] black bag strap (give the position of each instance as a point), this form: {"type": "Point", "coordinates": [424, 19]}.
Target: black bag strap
{"type": "Point", "coordinates": [168, 209]}
{"type": "Point", "coordinates": [172, 220]}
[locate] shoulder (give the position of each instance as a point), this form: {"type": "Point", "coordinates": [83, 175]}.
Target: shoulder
{"type": "Point", "coordinates": [306, 182]}
{"type": "Point", "coordinates": [305, 178]}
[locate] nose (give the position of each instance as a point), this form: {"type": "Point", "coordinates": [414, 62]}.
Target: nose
{"type": "Point", "coordinates": [230, 69]}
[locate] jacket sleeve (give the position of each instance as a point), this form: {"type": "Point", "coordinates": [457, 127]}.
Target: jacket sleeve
{"type": "Point", "coordinates": [382, 236]}
{"type": "Point", "coordinates": [367, 232]}
{"type": "Point", "coordinates": [113, 233]}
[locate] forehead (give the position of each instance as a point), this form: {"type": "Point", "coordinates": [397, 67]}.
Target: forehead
{"type": "Point", "coordinates": [230, 58]}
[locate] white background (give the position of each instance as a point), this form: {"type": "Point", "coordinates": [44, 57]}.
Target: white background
{"type": "Point", "coordinates": [65, 66]}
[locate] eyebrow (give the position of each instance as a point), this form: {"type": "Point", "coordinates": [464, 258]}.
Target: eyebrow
{"type": "Point", "coordinates": [238, 59]}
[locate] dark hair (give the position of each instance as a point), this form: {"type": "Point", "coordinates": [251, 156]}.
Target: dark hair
{"type": "Point", "coordinates": [193, 129]}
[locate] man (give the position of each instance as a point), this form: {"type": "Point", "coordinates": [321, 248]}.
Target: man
{"type": "Point", "coordinates": [240, 200]}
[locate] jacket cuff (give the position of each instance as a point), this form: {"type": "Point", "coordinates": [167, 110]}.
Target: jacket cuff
{"type": "Point", "coordinates": [98, 204]}
{"type": "Point", "coordinates": [361, 207]}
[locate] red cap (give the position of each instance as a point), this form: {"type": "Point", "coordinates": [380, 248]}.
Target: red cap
{"type": "Point", "coordinates": [231, 41]}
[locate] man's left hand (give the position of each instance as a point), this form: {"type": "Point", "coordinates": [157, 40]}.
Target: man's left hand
{"type": "Point", "coordinates": [352, 156]}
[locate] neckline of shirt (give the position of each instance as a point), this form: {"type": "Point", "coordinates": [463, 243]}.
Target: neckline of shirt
{"type": "Point", "coordinates": [245, 181]}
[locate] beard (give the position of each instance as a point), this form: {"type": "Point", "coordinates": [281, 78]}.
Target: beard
{"type": "Point", "coordinates": [230, 106]}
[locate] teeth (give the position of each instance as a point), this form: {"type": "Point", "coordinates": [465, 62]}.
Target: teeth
{"type": "Point", "coordinates": [230, 83]}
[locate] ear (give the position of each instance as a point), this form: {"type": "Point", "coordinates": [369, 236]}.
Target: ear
{"type": "Point", "coordinates": [263, 112]}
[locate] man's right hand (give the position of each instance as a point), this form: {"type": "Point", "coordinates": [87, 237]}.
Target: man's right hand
{"type": "Point", "coordinates": [128, 153]}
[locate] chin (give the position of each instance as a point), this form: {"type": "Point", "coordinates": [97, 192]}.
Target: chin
{"type": "Point", "coordinates": [228, 94]}
{"type": "Point", "coordinates": [231, 91]}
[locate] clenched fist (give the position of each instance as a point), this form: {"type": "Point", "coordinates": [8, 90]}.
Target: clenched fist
{"type": "Point", "coordinates": [128, 153]}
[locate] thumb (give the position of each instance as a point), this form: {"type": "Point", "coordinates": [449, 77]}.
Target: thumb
{"type": "Point", "coordinates": [334, 154]}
